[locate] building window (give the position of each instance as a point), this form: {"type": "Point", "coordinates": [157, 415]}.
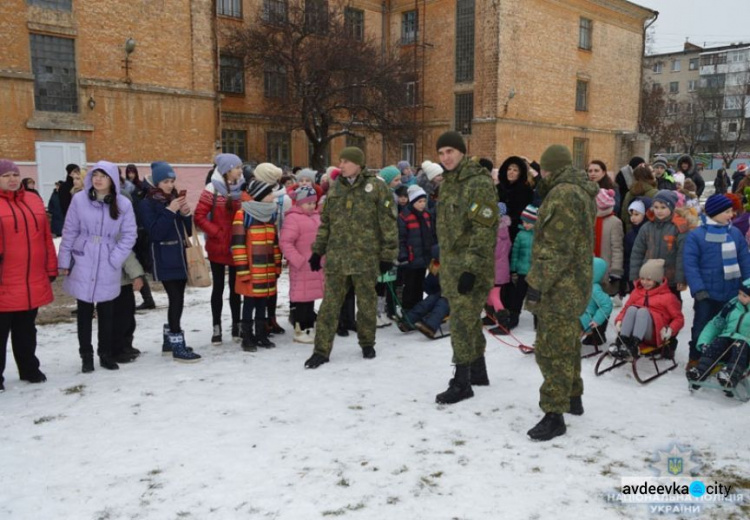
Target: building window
{"type": "Point", "coordinates": [714, 59]}
{"type": "Point", "coordinates": [671, 108]}
{"type": "Point", "coordinates": [231, 8]}
{"type": "Point", "coordinates": [464, 112]}
{"type": "Point", "coordinates": [732, 127]}
{"type": "Point", "coordinates": [316, 16]}
{"type": "Point", "coordinates": [584, 34]}
{"type": "Point", "coordinates": [278, 148]}
{"type": "Point", "coordinates": [356, 140]}
{"type": "Point", "coordinates": [692, 85]}
{"type": "Point", "coordinates": [326, 153]}
{"type": "Point", "coordinates": [676, 66]}
{"type": "Point", "coordinates": [693, 64]}
{"type": "Point", "coordinates": [582, 95]}
{"type": "Point", "coordinates": [234, 141]}
{"type": "Point", "coordinates": [580, 152]}
{"type": "Point", "coordinates": [231, 75]}
{"type": "Point", "coordinates": [274, 81]}
{"type": "Point", "coordinates": [689, 108]}
{"type": "Point", "coordinates": [54, 66]}
{"type": "Point", "coordinates": [656, 87]}
{"type": "Point", "coordinates": [674, 87]}
{"type": "Point", "coordinates": [60, 5]}
{"type": "Point", "coordinates": [411, 93]}
{"type": "Point", "coordinates": [408, 152]}
{"type": "Point", "coordinates": [354, 19]}
{"type": "Point", "coordinates": [275, 11]}
{"type": "Point", "coordinates": [409, 27]}
{"type": "Point", "coordinates": [657, 67]}
{"type": "Point", "coordinates": [464, 40]}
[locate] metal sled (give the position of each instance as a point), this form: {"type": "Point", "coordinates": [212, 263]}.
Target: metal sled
{"type": "Point", "coordinates": [660, 358]}
{"type": "Point", "coordinates": [741, 392]}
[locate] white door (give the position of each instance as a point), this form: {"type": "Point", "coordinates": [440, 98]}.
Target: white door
{"type": "Point", "coordinates": [51, 159]}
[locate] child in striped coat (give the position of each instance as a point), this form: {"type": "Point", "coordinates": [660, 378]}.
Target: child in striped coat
{"type": "Point", "coordinates": [256, 255]}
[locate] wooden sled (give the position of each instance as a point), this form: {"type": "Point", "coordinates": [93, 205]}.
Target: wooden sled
{"type": "Point", "coordinates": [653, 361]}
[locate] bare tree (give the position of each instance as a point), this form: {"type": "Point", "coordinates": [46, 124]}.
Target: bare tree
{"type": "Point", "coordinates": [324, 76]}
{"type": "Point", "coordinates": [658, 112]}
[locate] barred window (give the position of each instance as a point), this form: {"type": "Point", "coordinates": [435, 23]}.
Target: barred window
{"type": "Point", "coordinates": [582, 95]}
{"type": "Point", "coordinates": [231, 75]}
{"type": "Point", "coordinates": [580, 152]}
{"type": "Point", "coordinates": [584, 33]}
{"type": "Point", "coordinates": [356, 140]}
{"type": "Point", "coordinates": [274, 81]}
{"type": "Point", "coordinates": [354, 19]}
{"type": "Point", "coordinates": [278, 148]}
{"type": "Point", "coordinates": [275, 11]}
{"type": "Point", "coordinates": [464, 112]}
{"type": "Point", "coordinates": [464, 40]}
{"type": "Point", "coordinates": [409, 27]}
{"type": "Point", "coordinates": [60, 5]}
{"type": "Point", "coordinates": [54, 66]}
{"type": "Point", "coordinates": [234, 141]}
{"type": "Point", "coordinates": [316, 16]}
{"type": "Point", "coordinates": [231, 8]}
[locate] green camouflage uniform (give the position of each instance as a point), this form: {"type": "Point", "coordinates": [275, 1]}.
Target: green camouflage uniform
{"type": "Point", "coordinates": [357, 231]}
{"type": "Point", "coordinates": [467, 219]}
{"type": "Point", "coordinates": [561, 270]}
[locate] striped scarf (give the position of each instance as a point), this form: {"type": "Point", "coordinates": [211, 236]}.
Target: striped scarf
{"type": "Point", "coordinates": [718, 234]}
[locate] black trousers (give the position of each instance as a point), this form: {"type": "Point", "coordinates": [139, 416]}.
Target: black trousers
{"type": "Point", "coordinates": [124, 325]}
{"type": "Point", "coordinates": [175, 290]}
{"type": "Point", "coordinates": [256, 306]}
{"type": "Point", "coordinates": [271, 306]}
{"type": "Point", "coordinates": [21, 327]}
{"type": "Point", "coordinates": [518, 294]}
{"type": "Point", "coordinates": [304, 314]}
{"type": "Point", "coordinates": [217, 293]}
{"type": "Point", "coordinates": [413, 287]}
{"type": "Point", "coordinates": [146, 291]}
{"type": "Point", "coordinates": [347, 314]}
{"type": "Point", "coordinates": [105, 315]}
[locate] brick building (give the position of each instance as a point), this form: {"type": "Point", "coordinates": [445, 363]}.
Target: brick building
{"type": "Point", "coordinates": [138, 81]}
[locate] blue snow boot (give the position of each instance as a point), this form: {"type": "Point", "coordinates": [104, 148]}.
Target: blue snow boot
{"type": "Point", "coordinates": [166, 347]}
{"type": "Point", "coordinates": [180, 351]}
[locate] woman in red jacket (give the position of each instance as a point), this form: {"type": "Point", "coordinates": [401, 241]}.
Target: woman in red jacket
{"type": "Point", "coordinates": [27, 266]}
{"type": "Point", "coordinates": [653, 314]}
{"type": "Point", "coordinates": [216, 208]}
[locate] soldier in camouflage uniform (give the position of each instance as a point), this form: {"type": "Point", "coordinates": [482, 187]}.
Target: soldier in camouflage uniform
{"type": "Point", "coordinates": [560, 285]}
{"type": "Point", "coordinates": [467, 220]}
{"type": "Point", "coordinates": [358, 235]}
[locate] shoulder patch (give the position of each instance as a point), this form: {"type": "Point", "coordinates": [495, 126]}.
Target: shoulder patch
{"type": "Point", "coordinates": [483, 214]}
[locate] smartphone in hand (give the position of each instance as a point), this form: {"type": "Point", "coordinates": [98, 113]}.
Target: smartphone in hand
{"type": "Point", "coordinates": [183, 193]}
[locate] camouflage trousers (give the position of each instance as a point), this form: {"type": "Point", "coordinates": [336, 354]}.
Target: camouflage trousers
{"type": "Point", "coordinates": [558, 354]}
{"type": "Point", "coordinates": [337, 286]}
{"type": "Point", "coordinates": [467, 335]}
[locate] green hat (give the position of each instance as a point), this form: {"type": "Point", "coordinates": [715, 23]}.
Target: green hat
{"type": "Point", "coordinates": [452, 139]}
{"type": "Point", "coordinates": [389, 173]}
{"type": "Point", "coordinates": [555, 158]}
{"type": "Point", "coordinates": [353, 154]}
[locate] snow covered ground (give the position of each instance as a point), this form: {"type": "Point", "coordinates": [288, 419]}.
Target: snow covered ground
{"type": "Point", "coordinates": [256, 436]}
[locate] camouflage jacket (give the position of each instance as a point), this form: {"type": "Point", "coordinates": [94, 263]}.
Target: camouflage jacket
{"type": "Point", "coordinates": [467, 220]}
{"type": "Point", "coordinates": [357, 226]}
{"type": "Point", "coordinates": [562, 254]}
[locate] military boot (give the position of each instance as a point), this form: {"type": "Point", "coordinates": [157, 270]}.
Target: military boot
{"type": "Point", "coordinates": [479, 372]}
{"type": "Point", "coordinates": [552, 425]}
{"type": "Point", "coordinates": [459, 388]}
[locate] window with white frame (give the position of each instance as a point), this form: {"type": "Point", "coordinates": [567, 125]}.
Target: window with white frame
{"type": "Point", "coordinates": [408, 152]}
{"type": "Point", "coordinates": [409, 27]}
{"type": "Point", "coordinates": [676, 65]}
{"type": "Point", "coordinates": [657, 68]}
{"type": "Point", "coordinates": [231, 8]}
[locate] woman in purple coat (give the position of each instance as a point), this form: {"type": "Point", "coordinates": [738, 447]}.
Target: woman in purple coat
{"type": "Point", "coordinates": [98, 235]}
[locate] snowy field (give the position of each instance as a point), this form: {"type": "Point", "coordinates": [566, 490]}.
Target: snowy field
{"type": "Point", "coordinates": [243, 435]}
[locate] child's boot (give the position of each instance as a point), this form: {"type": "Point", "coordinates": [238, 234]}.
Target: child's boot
{"type": "Point", "coordinates": [180, 351]}
{"type": "Point", "coordinates": [261, 335]}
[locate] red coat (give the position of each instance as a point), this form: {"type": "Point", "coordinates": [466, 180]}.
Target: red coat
{"type": "Point", "coordinates": [27, 255]}
{"type": "Point", "coordinates": [663, 306]}
{"type": "Point", "coordinates": [218, 230]}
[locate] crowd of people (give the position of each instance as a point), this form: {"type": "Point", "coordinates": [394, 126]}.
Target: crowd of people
{"type": "Point", "coordinates": [445, 242]}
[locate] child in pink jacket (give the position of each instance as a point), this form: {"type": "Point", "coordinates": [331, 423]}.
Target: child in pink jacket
{"type": "Point", "coordinates": [495, 308]}
{"type": "Point", "coordinates": [305, 285]}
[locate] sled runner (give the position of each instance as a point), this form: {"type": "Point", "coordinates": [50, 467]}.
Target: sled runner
{"type": "Point", "coordinates": [405, 325]}
{"type": "Point", "coordinates": [591, 343]}
{"type": "Point", "coordinates": [717, 373]}
{"type": "Point", "coordinates": [653, 361]}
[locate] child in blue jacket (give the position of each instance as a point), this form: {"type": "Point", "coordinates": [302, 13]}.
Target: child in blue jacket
{"type": "Point", "coordinates": [594, 319]}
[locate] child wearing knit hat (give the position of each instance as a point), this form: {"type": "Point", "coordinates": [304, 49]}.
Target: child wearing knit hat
{"type": "Point", "coordinates": [416, 234]}
{"type": "Point", "coordinates": [663, 236]}
{"type": "Point", "coordinates": [652, 314]}
{"type": "Point", "coordinates": [520, 262]}
{"type": "Point", "coordinates": [716, 261]}
{"type": "Point", "coordinates": [609, 240]}
{"type": "Point", "coordinates": [637, 211]}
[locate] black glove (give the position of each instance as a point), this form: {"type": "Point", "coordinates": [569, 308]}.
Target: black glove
{"type": "Point", "coordinates": [315, 262]}
{"type": "Point", "coordinates": [385, 266]}
{"type": "Point", "coordinates": [465, 283]}
{"type": "Point", "coordinates": [701, 295]}
{"type": "Point", "coordinates": [52, 279]}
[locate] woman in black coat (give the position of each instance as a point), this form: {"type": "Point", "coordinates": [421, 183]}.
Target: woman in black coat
{"type": "Point", "coordinates": [514, 190]}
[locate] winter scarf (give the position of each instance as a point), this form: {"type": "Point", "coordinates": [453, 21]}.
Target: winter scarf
{"type": "Point", "coordinates": [716, 233]}
{"type": "Point", "coordinates": [164, 198]}
{"type": "Point", "coordinates": [261, 211]}
{"type": "Point", "coordinates": [232, 192]}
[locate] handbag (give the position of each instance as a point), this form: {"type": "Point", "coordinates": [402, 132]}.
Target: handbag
{"type": "Point", "coordinates": [197, 269]}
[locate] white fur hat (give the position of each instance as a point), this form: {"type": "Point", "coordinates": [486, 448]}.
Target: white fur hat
{"type": "Point", "coordinates": [431, 169]}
